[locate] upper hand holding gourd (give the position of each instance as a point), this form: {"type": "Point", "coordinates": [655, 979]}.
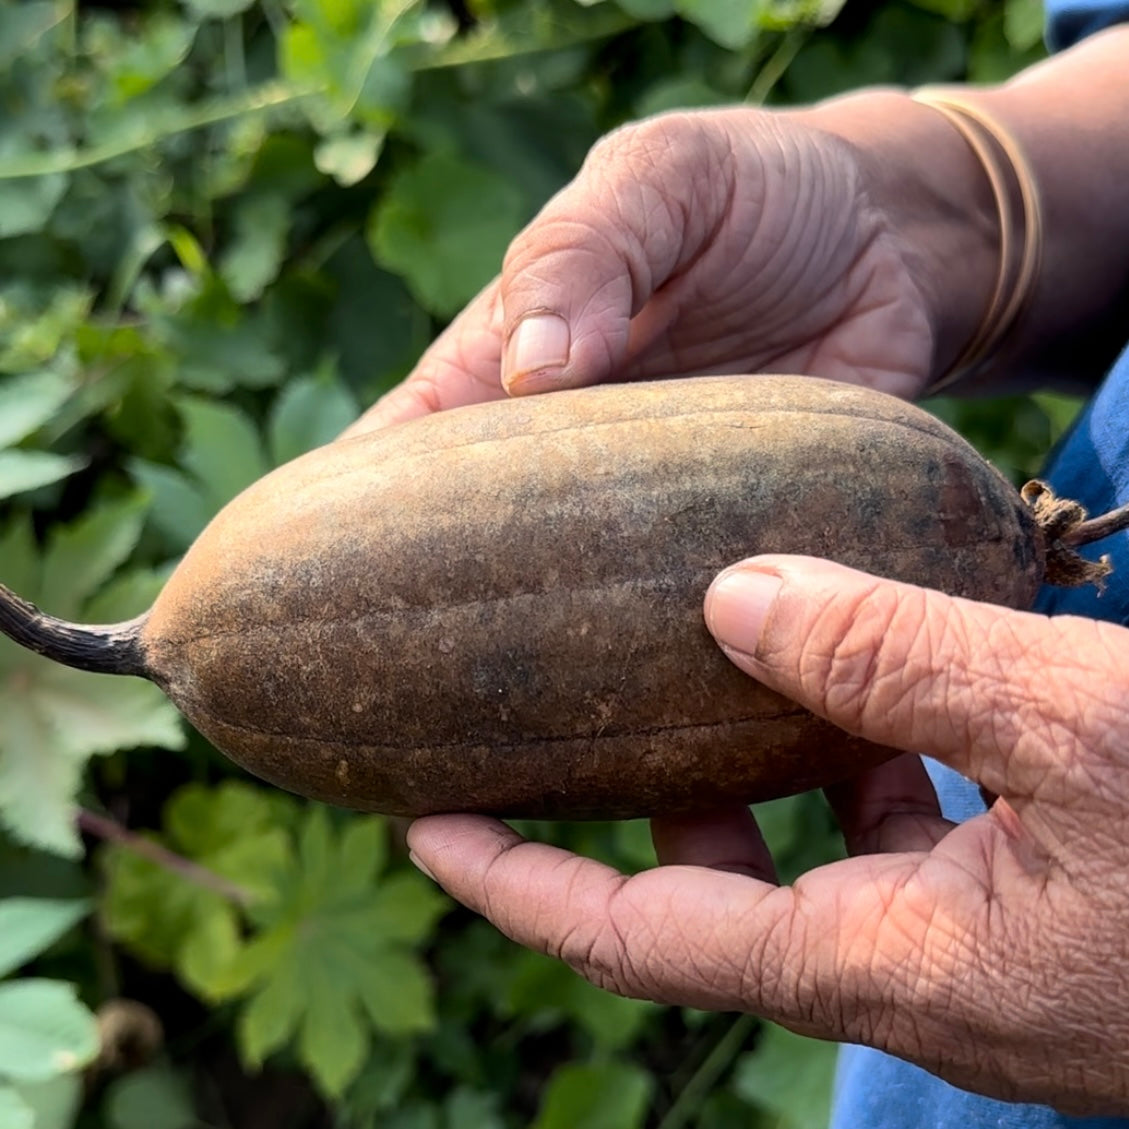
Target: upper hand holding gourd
{"type": "Point", "coordinates": [721, 241]}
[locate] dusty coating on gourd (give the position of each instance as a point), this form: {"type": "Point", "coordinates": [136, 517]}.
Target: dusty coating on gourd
{"type": "Point", "coordinates": [500, 608]}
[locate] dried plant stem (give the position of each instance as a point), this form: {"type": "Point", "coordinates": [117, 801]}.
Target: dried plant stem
{"type": "Point", "coordinates": [1097, 528]}
{"type": "Point", "coordinates": [102, 827]}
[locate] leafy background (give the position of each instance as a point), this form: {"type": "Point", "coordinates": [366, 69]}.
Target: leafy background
{"type": "Point", "coordinates": [226, 225]}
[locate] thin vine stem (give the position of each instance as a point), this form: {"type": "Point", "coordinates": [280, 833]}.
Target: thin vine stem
{"type": "Point", "coordinates": [704, 1079]}
{"type": "Point", "coordinates": [268, 96]}
{"type": "Point", "coordinates": [110, 831]}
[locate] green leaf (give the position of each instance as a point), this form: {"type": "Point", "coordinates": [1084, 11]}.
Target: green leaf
{"type": "Point", "coordinates": [406, 905]}
{"type": "Point", "coordinates": [153, 1098]}
{"type": "Point", "coordinates": [545, 989]}
{"type": "Point", "coordinates": [54, 720]}
{"type": "Point", "coordinates": [957, 11]}
{"type": "Point", "coordinates": [19, 566]}
{"type": "Point", "coordinates": [607, 1095]}
{"type": "Point", "coordinates": [218, 9]}
{"type": "Point", "coordinates": [331, 965]}
{"type": "Point", "coordinates": [397, 994]}
{"type": "Point", "coordinates": [54, 1103]}
{"type": "Point", "coordinates": [472, 1109]}
{"type": "Point", "coordinates": [376, 327]}
{"type": "Point", "coordinates": [1061, 411]}
{"type": "Point", "coordinates": [678, 93]}
{"type": "Point", "coordinates": [253, 259]}
{"type": "Point", "coordinates": [1024, 21]}
{"type": "Point", "coordinates": [332, 1041]}
{"type": "Point", "coordinates": [207, 951]}
{"type": "Point", "coordinates": [219, 345]}
{"type": "Point", "coordinates": [730, 23]}
{"type": "Point", "coordinates": [152, 52]}
{"type": "Point", "coordinates": [270, 1019]}
{"type": "Point", "coordinates": [28, 402]}
{"type": "Point", "coordinates": [444, 225]}
{"type": "Point", "coordinates": [82, 556]}
{"type": "Point", "coordinates": [181, 507]}
{"type": "Point", "coordinates": [26, 205]}
{"type": "Point", "coordinates": [648, 9]}
{"type": "Point", "coordinates": [44, 1030]}
{"type": "Point", "coordinates": [309, 412]}
{"type": "Point", "coordinates": [236, 832]}
{"type": "Point", "coordinates": [204, 822]}
{"type": "Point", "coordinates": [15, 1113]}
{"type": "Point", "coordinates": [349, 158]}
{"type": "Point", "coordinates": [382, 1083]}
{"type": "Point", "coordinates": [222, 449]}
{"type": "Point", "coordinates": [153, 912]}
{"type": "Point", "coordinates": [36, 324]}
{"type": "Point", "coordinates": [789, 1076]}
{"type": "Point", "coordinates": [28, 926]}
{"type": "Point", "coordinates": [21, 471]}
{"type": "Point", "coordinates": [22, 26]}
{"type": "Point", "coordinates": [126, 596]}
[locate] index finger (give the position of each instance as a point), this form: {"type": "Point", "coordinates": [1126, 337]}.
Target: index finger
{"type": "Point", "coordinates": [881, 949]}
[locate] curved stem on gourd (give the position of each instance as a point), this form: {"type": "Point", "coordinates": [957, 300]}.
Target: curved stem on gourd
{"type": "Point", "coordinates": [109, 649]}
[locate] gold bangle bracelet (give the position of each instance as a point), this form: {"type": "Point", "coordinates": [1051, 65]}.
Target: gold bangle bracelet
{"type": "Point", "coordinates": [1015, 284]}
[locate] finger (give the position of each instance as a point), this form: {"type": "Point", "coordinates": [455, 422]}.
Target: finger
{"type": "Point", "coordinates": [644, 205]}
{"type": "Point", "coordinates": [1013, 700]}
{"type": "Point", "coordinates": [851, 943]}
{"type": "Point", "coordinates": [889, 808]}
{"type": "Point", "coordinates": [723, 840]}
{"type": "Point", "coordinates": [462, 366]}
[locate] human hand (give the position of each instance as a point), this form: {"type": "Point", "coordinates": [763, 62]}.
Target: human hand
{"type": "Point", "coordinates": [994, 954]}
{"type": "Point", "coordinates": [723, 241]}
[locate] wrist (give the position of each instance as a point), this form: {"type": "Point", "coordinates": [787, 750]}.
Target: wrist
{"type": "Point", "coordinates": [935, 200]}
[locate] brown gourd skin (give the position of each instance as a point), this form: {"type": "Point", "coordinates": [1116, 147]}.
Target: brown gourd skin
{"type": "Point", "coordinates": [499, 608]}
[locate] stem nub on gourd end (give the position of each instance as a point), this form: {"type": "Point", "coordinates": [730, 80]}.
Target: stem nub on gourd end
{"type": "Point", "coordinates": [111, 649]}
{"type": "Point", "coordinates": [1066, 525]}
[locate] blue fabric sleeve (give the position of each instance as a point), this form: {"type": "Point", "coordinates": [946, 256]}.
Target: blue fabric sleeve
{"type": "Point", "coordinates": [1068, 21]}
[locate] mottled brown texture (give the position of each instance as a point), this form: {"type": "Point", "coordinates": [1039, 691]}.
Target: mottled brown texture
{"type": "Point", "coordinates": [500, 608]}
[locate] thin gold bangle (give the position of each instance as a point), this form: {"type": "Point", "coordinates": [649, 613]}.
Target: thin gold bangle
{"type": "Point", "coordinates": [1014, 287]}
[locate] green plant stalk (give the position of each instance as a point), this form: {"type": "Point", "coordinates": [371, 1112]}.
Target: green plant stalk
{"type": "Point", "coordinates": [704, 1079]}
{"type": "Point", "coordinates": [257, 100]}
{"type": "Point", "coordinates": [111, 831]}
{"type": "Point", "coordinates": [777, 63]}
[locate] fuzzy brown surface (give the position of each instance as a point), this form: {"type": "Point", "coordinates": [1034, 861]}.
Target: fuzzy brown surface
{"type": "Point", "coordinates": [500, 608]}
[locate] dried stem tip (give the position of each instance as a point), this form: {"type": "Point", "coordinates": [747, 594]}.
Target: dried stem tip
{"type": "Point", "coordinates": [1066, 526]}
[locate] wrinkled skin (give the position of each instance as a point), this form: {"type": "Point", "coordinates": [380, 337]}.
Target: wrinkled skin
{"type": "Point", "coordinates": [645, 257]}
{"type": "Point", "coordinates": [994, 953]}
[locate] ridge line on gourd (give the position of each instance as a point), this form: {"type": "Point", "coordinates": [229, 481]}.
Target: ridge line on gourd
{"type": "Point", "coordinates": [498, 608]}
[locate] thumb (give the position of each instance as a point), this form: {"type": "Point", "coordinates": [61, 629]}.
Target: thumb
{"type": "Point", "coordinates": [1004, 697]}
{"type": "Point", "coordinates": [575, 278]}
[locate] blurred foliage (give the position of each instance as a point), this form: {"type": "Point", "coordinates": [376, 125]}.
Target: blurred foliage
{"type": "Point", "coordinates": [225, 225]}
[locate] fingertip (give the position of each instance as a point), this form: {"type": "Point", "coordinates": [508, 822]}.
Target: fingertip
{"type": "Point", "coordinates": [439, 840]}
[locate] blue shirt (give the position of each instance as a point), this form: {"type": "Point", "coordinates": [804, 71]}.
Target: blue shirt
{"type": "Point", "coordinates": [874, 1090]}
